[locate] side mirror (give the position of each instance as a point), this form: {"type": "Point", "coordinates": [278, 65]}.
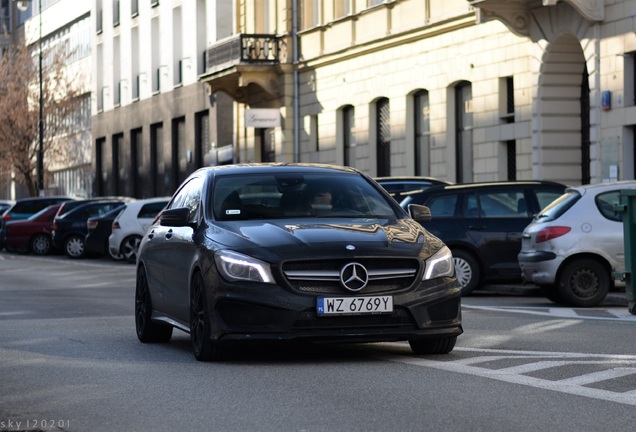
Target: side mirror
{"type": "Point", "coordinates": [419, 212]}
{"type": "Point", "coordinates": [177, 217]}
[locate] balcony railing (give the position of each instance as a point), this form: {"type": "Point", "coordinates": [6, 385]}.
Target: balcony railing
{"type": "Point", "coordinates": [244, 49]}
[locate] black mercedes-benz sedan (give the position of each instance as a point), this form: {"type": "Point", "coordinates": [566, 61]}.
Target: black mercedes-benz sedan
{"type": "Point", "coordinates": [297, 252]}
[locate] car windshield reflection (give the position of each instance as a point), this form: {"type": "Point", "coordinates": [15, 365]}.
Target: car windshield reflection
{"type": "Point", "coordinates": [280, 196]}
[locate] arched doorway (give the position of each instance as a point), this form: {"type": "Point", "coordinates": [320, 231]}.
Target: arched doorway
{"type": "Point", "coordinates": [562, 119]}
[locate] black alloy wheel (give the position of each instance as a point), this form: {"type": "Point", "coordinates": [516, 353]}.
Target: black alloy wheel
{"type": "Point", "coordinates": [204, 348]}
{"type": "Point", "coordinates": [147, 330]}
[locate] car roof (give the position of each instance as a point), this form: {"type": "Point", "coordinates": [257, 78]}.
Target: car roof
{"type": "Point", "coordinates": [494, 184]}
{"type": "Point", "coordinates": [411, 179]}
{"type": "Point", "coordinates": [596, 187]}
{"type": "Point", "coordinates": [266, 168]}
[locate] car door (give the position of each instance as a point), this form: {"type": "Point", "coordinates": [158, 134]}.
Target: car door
{"type": "Point", "coordinates": [494, 218]}
{"type": "Point", "coordinates": [179, 253]}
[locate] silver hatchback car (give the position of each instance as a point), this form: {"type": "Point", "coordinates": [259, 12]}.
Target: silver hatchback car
{"type": "Point", "coordinates": [574, 247]}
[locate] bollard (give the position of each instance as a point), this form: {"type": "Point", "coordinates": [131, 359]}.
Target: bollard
{"type": "Point", "coordinates": [628, 208]}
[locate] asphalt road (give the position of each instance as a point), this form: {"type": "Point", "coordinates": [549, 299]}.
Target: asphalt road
{"type": "Point", "coordinates": [70, 360]}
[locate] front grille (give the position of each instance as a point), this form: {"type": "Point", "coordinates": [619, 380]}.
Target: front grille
{"type": "Point", "coordinates": [323, 276]}
{"type": "Point", "coordinates": [309, 320]}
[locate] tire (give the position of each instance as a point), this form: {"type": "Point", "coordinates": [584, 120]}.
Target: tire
{"type": "Point", "coordinates": [442, 345]}
{"type": "Point", "coordinates": [129, 248]}
{"type": "Point", "coordinates": [551, 292]}
{"type": "Point", "coordinates": [584, 282]}
{"type": "Point", "coordinates": [74, 246]}
{"type": "Point", "coordinates": [467, 271]}
{"type": "Point", "coordinates": [41, 244]}
{"type": "Point", "coordinates": [147, 330]}
{"type": "Point", "coordinates": [204, 348]}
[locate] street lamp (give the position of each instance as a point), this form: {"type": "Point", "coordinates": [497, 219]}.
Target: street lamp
{"type": "Point", "coordinates": [23, 5]}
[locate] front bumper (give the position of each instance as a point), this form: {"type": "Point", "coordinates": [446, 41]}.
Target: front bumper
{"type": "Point", "coordinates": [270, 312]}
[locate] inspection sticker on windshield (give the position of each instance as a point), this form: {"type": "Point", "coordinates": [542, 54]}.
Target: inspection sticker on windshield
{"type": "Point", "coordinates": [354, 305]}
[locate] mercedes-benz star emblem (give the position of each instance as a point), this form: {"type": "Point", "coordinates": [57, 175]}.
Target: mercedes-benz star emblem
{"type": "Point", "coordinates": [354, 276]}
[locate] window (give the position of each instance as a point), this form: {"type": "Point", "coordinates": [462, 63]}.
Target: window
{"type": "Point", "coordinates": [137, 162]}
{"type": "Point", "coordinates": [134, 8]}
{"type": "Point", "coordinates": [115, 12]}
{"type": "Point", "coordinates": [310, 13]}
{"type": "Point", "coordinates": [463, 132]}
{"type": "Point", "coordinates": [383, 138]}
{"type": "Point", "coordinates": [202, 142]}
{"type": "Point", "coordinates": [157, 164]}
{"type": "Point", "coordinates": [181, 156]}
{"type": "Point", "coordinates": [348, 137]}
{"type": "Point", "coordinates": [511, 158]}
{"type": "Point", "coordinates": [422, 133]}
{"type": "Point", "coordinates": [342, 8]}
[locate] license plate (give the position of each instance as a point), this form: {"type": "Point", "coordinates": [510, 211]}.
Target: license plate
{"type": "Point", "coordinates": [354, 305]}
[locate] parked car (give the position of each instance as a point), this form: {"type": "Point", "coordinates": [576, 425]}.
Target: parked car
{"type": "Point", "coordinates": [68, 206]}
{"type": "Point", "coordinates": [69, 230]}
{"type": "Point", "coordinates": [289, 267]}
{"type": "Point", "coordinates": [98, 230]}
{"type": "Point", "coordinates": [574, 247]}
{"type": "Point", "coordinates": [32, 234]}
{"type": "Point", "coordinates": [482, 224]}
{"type": "Point", "coordinates": [26, 207]}
{"type": "Point", "coordinates": [397, 186]}
{"type": "Point", "coordinates": [131, 225]}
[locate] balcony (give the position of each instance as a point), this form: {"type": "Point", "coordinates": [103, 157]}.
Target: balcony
{"type": "Point", "coordinates": [517, 14]}
{"type": "Point", "coordinates": [236, 64]}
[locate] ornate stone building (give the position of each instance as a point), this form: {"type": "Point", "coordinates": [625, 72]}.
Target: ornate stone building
{"type": "Point", "coordinates": [462, 90]}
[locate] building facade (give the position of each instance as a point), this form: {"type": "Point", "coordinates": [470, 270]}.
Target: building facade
{"type": "Point", "coordinates": [56, 24]}
{"type": "Point", "coordinates": [154, 122]}
{"type": "Point", "coordinates": [461, 90]}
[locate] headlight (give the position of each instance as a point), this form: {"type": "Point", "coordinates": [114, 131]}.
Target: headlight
{"type": "Point", "coordinates": [238, 267]}
{"type": "Point", "coordinates": [440, 264]}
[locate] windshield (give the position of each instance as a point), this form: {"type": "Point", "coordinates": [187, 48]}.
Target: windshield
{"type": "Point", "coordinates": [277, 196]}
{"type": "Point", "coordinates": [559, 206]}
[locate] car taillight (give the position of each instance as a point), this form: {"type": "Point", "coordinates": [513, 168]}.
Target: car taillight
{"type": "Point", "coordinates": [6, 217]}
{"type": "Point", "coordinates": [116, 225]}
{"type": "Point", "coordinates": [91, 224]}
{"type": "Point", "coordinates": [552, 232]}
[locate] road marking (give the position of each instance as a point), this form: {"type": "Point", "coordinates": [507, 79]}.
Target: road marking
{"type": "Point", "coordinates": [605, 314]}
{"type": "Point", "coordinates": [614, 366]}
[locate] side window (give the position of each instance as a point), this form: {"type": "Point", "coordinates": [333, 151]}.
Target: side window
{"type": "Point", "coordinates": [503, 203]}
{"type": "Point", "coordinates": [471, 206]}
{"type": "Point", "coordinates": [193, 197]}
{"type": "Point", "coordinates": [546, 197]}
{"type": "Point", "coordinates": [605, 204]}
{"type": "Point", "coordinates": [149, 211]}
{"type": "Point", "coordinates": [443, 205]}
{"type": "Point", "coordinates": [179, 199]}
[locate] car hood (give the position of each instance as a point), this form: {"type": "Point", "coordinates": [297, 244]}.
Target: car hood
{"type": "Point", "coordinates": [285, 239]}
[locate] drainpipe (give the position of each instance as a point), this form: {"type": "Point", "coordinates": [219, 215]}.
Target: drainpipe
{"type": "Point", "coordinates": [295, 57]}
